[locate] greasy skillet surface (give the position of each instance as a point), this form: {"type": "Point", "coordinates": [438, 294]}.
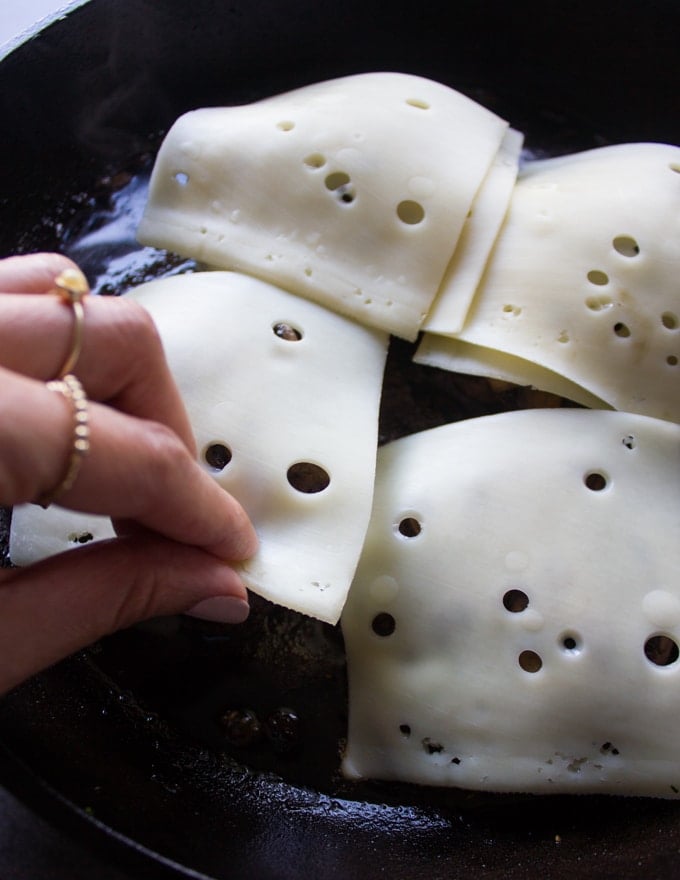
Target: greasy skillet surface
{"type": "Point", "coordinates": [125, 739]}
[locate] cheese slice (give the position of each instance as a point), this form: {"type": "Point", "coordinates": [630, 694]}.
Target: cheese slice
{"type": "Point", "coordinates": [515, 618]}
{"type": "Point", "coordinates": [448, 311]}
{"type": "Point", "coordinates": [583, 280]}
{"type": "Point", "coordinates": [283, 397]}
{"type": "Point", "coordinates": [36, 533]}
{"type": "Point", "coordinates": [352, 192]}
{"type": "Point", "coordinates": [456, 356]}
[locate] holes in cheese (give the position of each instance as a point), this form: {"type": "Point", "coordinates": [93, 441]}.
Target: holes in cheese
{"type": "Point", "coordinates": [621, 330]}
{"type": "Point", "coordinates": [570, 642]}
{"type": "Point", "coordinates": [307, 190]}
{"type": "Point", "coordinates": [409, 527]}
{"type": "Point", "coordinates": [307, 477]}
{"type": "Point", "coordinates": [626, 246]}
{"type": "Point", "coordinates": [661, 650]}
{"type": "Point", "coordinates": [515, 601]}
{"type": "Point", "coordinates": [600, 279]}
{"type": "Point", "coordinates": [530, 661]}
{"type": "Point", "coordinates": [411, 213]}
{"type": "Point", "coordinates": [596, 481]}
{"type": "Point", "coordinates": [383, 624]}
{"type": "Point", "coordinates": [315, 160]}
{"type": "Point", "coordinates": [340, 184]}
{"type": "Point", "coordinates": [287, 331]}
{"type": "Point", "coordinates": [582, 275]}
{"type": "Point", "coordinates": [81, 537]}
{"type": "Point", "coordinates": [217, 455]}
{"type": "Point", "coordinates": [536, 620]}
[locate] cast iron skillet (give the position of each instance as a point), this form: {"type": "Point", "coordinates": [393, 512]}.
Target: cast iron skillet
{"type": "Point", "coordinates": [124, 742]}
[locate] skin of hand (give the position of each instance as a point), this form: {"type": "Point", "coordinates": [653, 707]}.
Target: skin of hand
{"type": "Point", "coordinates": [178, 531]}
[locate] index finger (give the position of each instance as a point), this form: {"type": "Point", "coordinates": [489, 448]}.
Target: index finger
{"type": "Point", "coordinates": [135, 469]}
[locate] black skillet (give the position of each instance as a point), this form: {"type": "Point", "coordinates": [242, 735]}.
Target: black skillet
{"type": "Point", "coordinates": [126, 743]}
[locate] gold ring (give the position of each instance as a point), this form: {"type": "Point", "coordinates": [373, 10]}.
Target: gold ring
{"type": "Point", "coordinates": [73, 391]}
{"type": "Point", "coordinates": [72, 286]}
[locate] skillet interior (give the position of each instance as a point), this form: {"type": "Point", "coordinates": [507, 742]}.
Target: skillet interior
{"type": "Point", "coordinates": [123, 739]}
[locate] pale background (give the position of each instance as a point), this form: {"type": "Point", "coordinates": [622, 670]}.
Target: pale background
{"type": "Point", "coordinates": [20, 19]}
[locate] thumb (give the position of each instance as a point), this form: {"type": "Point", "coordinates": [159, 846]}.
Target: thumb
{"type": "Point", "coordinates": [59, 605]}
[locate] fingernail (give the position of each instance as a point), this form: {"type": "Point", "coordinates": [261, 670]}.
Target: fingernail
{"type": "Point", "coordinates": [221, 609]}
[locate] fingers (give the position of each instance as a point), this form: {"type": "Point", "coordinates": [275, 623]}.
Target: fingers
{"type": "Point", "coordinates": [32, 273]}
{"type": "Point", "coordinates": [64, 603]}
{"type": "Point", "coordinates": [121, 363]}
{"type": "Point", "coordinates": [136, 469]}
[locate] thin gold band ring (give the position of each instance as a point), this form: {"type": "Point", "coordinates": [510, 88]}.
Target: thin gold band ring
{"type": "Point", "coordinates": [72, 287]}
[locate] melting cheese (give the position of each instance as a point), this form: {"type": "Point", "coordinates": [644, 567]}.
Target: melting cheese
{"type": "Point", "coordinates": [515, 618]}
{"type": "Point", "coordinates": [352, 193]}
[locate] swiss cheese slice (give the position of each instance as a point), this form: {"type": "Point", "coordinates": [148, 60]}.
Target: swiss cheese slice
{"type": "Point", "coordinates": [515, 618]}
{"type": "Point", "coordinates": [36, 532]}
{"type": "Point", "coordinates": [352, 192]}
{"type": "Point", "coordinates": [283, 397]}
{"type": "Point", "coordinates": [457, 356]}
{"type": "Point", "coordinates": [448, 311]}
{"type": "Point", "coordinates": [583, 280]}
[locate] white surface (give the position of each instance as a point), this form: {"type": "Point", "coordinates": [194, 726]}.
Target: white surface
{"type": "Point", "coordinates": [504, 505]}
{"type": "Point", "coordinates": [583, 280]}
{"type": "Point", "coordinates": [351, 193]}
{"type": "Point", "coordinates": [312, 400]}
{"type": "Point", "coordinates": [480, 231]}
{"type": "Point", "coordinates": [21, 19]}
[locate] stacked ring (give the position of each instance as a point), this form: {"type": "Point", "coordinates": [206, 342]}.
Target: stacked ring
{"type": "Point", "coordinates": [71, 287]}
{"type": "Point", "coordinates": [73, 391]}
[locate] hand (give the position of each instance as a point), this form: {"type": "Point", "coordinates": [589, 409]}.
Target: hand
{"type": "Point", "coordinates": [178, 530]}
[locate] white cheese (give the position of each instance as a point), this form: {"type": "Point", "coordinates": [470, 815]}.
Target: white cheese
{"type": "Point", "coordinates": [273, 403]}
{"type": "Point", "coordinates": [271, 383]}
{"type": "Point", "coordinates": [36, 533]}
{"type": "Point", "coordinates": [583, 280]}
{"type": "Point", "coordinates": [515, 617]}
{"type": "Point", "coordinates": [352, 192]}
{"type": "Point", "coordinates": [482, 225]}
{"type": "Point", "coordinates": [457, 356]}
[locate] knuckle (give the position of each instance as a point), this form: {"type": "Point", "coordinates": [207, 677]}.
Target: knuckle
{"type": "Point", "coordinates": [165, 451]}
{"type": "Point", "coordinates": [165, 464]}
{"type": "Point", "coordinates": [138, 328]}
{"type": "Point", "coordinates": [245, 541]}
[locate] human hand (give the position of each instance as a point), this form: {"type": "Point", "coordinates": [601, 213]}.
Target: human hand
{"type": "Point", "coordinates": [178, 530]}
